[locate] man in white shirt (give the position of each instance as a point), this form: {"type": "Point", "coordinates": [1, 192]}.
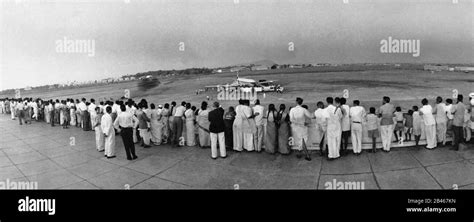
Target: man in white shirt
{"type": "Point", "coordinates": [430, 124]}
{"type": "Point", "coordinates": [357, 114]}
{"type": "Point", "coordinates": [177, 126]}
{"type": "Point", "coordinates": [107, 127]}
{"type": "Point", "coordinates": [345, 125]}
{"type": "Point", "coordinates": [93, 113]}
{"type": "Point", "coordinates": [81, 107]}
{"type": "Point", "coordinates": [258, 111]}
{"type": "Point", "coordinates": [334, 129]}
{"type": "Point", "coordinates": [321, 125]}
{"type": "Point", "coordinates": [441, 120]}
{"type": "Point", "coordinates": [299, 130]}
{"type": "Point", "coordinates": [124, 124]}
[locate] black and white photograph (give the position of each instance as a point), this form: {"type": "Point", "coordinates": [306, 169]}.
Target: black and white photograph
{"type": "Point", "coordinates": [237, 95]}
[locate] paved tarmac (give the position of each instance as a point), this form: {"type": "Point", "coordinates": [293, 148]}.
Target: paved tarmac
{"type": "Point", "coordinates": [59, 158]}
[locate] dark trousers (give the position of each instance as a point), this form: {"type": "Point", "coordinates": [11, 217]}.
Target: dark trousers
{"type": "Point", "coordinates": [458, 136]}
{"type": "Point", "coordinates": [177, 130]}
{"type": "Point", "coordinates": [345, 139]}
{"type": "Point", "coordinates": [127, 138]}
{"type": "Point", "coordinates": [52, 117]}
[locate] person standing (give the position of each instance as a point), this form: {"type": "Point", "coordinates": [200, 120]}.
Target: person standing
{"type": "Point", "coordinates": [345, 125]}
{"type": "Point", "coordinates": [20, 110]}
{"type": "Point", "coordinates": [107, 127]}
{"type": "Point", "coordinates": [190, 128]}
{"type": "Point", "coordinates": [143, 122]}
{"type": "Point", "coordinates": [86, 121]}
{"type": "Point", "coordinates": [271, 136]}
{"type": "Point", "coordinates": [156, 125]}
{"type": "Point", "coordinates": [441, 120]}
{"type": "Point", "coordinates": [217, 128]}
{"type": "Point", "coordinates": [172, 111]}
{"type": "Point", "coordinates": [357, 114]}
{"type": "Point", "coordinates": [124, 124]}
{"type": "Point", "coordinates": [321, 126]}
{"type": "Point", "coordinates": [237, 132]}
{"type": "Point", "coordinates": [372, 127]}
{"type": "Point", "coordinates": [258, 111]}
{"type": "Point", "coordinates": [334, 129]}
{"type": "Point", "coordinates": [92, 112]}
{"type": "Point", "coordinates": [229, 118]}
{"type": "Point", "coordinates": [418, 125]}
{"type": "Point", "coordinates": [81, 107]}
{"type": "Point", "coordinates": [249, 128]}
{"type": "Point", "coordinates": [283, 120]}
{"type": "Point", "coordinates": [458, 111]}
{"type": "Point", "coordinates": [165, 114]}
{"type": "Point", "coordinates": [299, 130]}
{"type": "Point", "coordinates": [99, 134]}
{"type": "Point", "coordinates": [177, 127]}
{"type": "Point", "coordinates": [203, 124]}
{"type": "Point", "coordinates": [430, 124]}
{"type": "Point", "coordinates": [386, 123]}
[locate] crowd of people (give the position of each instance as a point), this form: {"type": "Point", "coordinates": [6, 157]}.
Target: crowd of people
{"type": "Point", "coordinates": [250, 128]}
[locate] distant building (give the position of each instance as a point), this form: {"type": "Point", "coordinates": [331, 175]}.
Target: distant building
{"type": "Point", "coordinates": [436, 68]}
{"type": "Point", "coordinates": [296, 66]}
{"type": "Point", "coordinates": [463, 69]}
{"type": "Point", "coordinates": [238, 69]}
{"type": "Point", "coordinates": [259, 68]}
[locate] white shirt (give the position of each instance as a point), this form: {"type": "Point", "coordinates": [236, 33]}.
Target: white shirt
{"type": "Point", "coordinates": [448, 111]}
{"type": "Point", "coordinates": [259, 118]}
{"type": "Point", "coordinates": [357, 113]}
{"type": "Point", "coordinates": [106, 124]}
{"type": "Point", "coordinates": [82, 106]}
{"type": "Point", "coordinates": [179, 111]}
{"type": "Point", "coordinates": [346, 122]}
{"type": "Point", "coordinates": [321, 116]}
{"type": "Point", "coordinates": [91, 108]}
{"type": "Point", "coordinates": [125, 120]}
{"type": "Point", "coordinates": [298, 115]}
{"type": "Point", "coordinates": [428, 117]}
{"type": "Point", "coordinates": [441, 113]}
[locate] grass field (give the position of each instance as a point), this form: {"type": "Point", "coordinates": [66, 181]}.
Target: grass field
{"type": "Point", "coordinates": [405, 87]}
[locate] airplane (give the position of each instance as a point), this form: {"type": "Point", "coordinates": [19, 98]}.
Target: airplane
{"type": "Point", "coordinates": [247, 85]}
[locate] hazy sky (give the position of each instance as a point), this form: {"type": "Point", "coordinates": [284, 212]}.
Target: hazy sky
{"type": "Point", "coordinates": [144, 35]}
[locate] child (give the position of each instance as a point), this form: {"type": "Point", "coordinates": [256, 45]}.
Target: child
{"type": "Point", "coordinates": [399, 123]}
{"type": "Point", "coordinates": [417, 124]}
{"type": "Point", "coordinates": [372, 127]}
{"type": "Point", "coordinates": [409, 125]}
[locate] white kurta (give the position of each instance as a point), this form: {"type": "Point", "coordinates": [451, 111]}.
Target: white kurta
{"type": "Point", "coordinates": [190, 129]}
{"type": "Point", "coordinates": [156, 127]}
{"type": "Point", "coordinates": [334, 131]}
{"type": "Point", "coordinates": [237, 129]}
{"type": "Point", "coordinates": [107, 127]}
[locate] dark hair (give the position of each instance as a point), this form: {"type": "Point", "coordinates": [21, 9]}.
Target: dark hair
{"type": "Point", "coordinates": [439, 99]}
{"type": "Point", "coordinates": [173, 103]}
{"type": "Point", "coordinates": [152, 106]}
{"type": "Point", "coordinates": [167, 105]}
{"type": "Point", "coordinates": [92, 100]}
{"type": "Point", "coordinates": [460, 97]}
{"type": "Point", "coordinates": [257, 102]}
{"type": "Point", "coordinates": [108, 109]}
{"type": "Point", "coordinates": [305, 106]}
{"type": "Point", "coordinates": [372, 110]}
{"type": "Point", "coordinates": [299, 100]}
{"type": "Point", "coordinates": [320, 104]}
{"type": "Point", "coordinates": [337, 100]}
{"type": "Point", "coordinates": [424, 101]}
{"type": "Point", "coordinates": [282, 106]}
{"type": "Point", "coordinates": [386, 99]}
{"type": "Point", "coordinates": [343, 100]}
{"type": "Point", "coordinates": [410, 112]}
{"type": "Point", "coordinates": [183, 103]}
{"type": "Point", "coordinates": [188, 105]}
{"type": "Point", "coordinates": [123, 108]}
{"type": "Point", "coordinates": [204, 105]}
{"type": "Point", "coordinates": [356, 102]}
{"type": "Point", "coordinates": [398, 109]}
{"type": "Point", "coordinates": [329, 100]}
{"type": "Point", "coordinates": [415, 108]}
